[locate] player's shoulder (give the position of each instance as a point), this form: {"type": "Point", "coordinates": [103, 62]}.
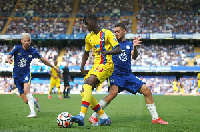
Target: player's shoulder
{"type": "Point", "coordinates": [17, 46]}
{"type": "Point", "coordinates": [107, 31]}
{"type": "Point", "coordinates": [88, 36]}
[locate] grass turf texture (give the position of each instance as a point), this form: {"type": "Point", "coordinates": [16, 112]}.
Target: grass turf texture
{"type": "Point", "coordinates": [128, 113]}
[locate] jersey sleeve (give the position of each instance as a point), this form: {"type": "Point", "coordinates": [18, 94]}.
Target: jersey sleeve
{"type": "Point", "coordinates": [112, 39]}
{"type": "Point", "coordinates": [37, 54]}
{"type": "Point", "coordinates": [88, 46]}
{"type": "Point", "coordinates": [131, 45]}
{"type": "Point", "coordinates": [13, 51]}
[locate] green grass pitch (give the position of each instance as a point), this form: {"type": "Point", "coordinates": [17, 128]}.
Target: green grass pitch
{"type": "Point", "coordinates": [128, 113]}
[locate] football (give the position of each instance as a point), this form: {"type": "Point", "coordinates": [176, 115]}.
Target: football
{"type": "Point", "coordinates": [64, 120]}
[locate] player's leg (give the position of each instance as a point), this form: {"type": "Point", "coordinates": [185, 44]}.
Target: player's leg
{"type": "Point", "coordinates": [52, 85]}
{"type": "Point", "coordinates": [59, 93]}
{"type": "Point", "coordinates": [86, 95]}
{"type": "Point", "coordinates": [89, 100]}
{"type": "Point", "coordinates": [68, 89]}
{"type": "Point", "coordinates": [151, 105]}
{"type": "Point", "coordinates": [30, 99]}
{"type": "Point", "coordinates": [104, 102]}
{"type": "Point", "coordinates": [58, 86]}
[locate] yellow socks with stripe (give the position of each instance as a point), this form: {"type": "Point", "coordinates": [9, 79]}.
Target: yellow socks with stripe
{"type": "Point", "coordinates": [86, 97]}
{"type": "Point", "coordinates": [59, 94]}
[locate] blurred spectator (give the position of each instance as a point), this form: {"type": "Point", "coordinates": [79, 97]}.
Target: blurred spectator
{"type": "Point", "coordinates": [47, 26]}
{"type": "Point", "coordinates": [45, 9]}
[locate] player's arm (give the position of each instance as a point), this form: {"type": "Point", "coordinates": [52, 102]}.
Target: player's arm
{"type": "Point", "coordinates": [10, 55]}
{"type": "Point", "coordinates": [113, 41]}
{"type": "Point", "coordinates": [84, 59]}
{"type": "Point", "coordinates": [134, 52]}
{"type": "Point", "coordinates": [46, 62]}
{"type": "Point", "coordinates": [85, 56]}
{"type": "Point", "coordinates": [9, 59]}
{"type": "Point", "coordinates": [117, 50]}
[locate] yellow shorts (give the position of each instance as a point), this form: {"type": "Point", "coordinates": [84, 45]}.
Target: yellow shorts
{"type": "Point", "coordinates": [102, 71]}
{"type": "Point", "coordinates": [198, 83]}
{"type": "Point", "coordinates": [55, 82]}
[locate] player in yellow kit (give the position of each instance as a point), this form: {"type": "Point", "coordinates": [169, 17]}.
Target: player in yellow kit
{"type": "Point", "coordinates": [54, 81]}
{"type": "Point", "coordinates": [104, 44]}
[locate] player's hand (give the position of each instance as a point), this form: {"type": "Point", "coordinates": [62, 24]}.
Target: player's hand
{"type": "Point", "coordinates": [83, 71]}
{"type": "Point", "coordinates": [103, 53]}
{"type": "Point", "coordinates": [136, 41]}
{"type": "Point", "coordinates": [10, 61]}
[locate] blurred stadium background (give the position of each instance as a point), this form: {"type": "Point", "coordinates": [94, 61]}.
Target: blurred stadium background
{"type": "Point", "coordinates": [169, 57]}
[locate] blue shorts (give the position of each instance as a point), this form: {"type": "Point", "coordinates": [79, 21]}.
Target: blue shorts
{"type": "Point", "coordinates": [129, 83]}
{"type": "Point", "coordinates": [19, 82]}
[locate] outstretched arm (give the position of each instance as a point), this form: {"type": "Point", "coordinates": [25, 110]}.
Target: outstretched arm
{"type": "Point", "coordinates": [46, 62]}
{"type": "Point", "coordinates": [9, 59]}
{"type": "Point", "coordinates": [134, 52]}
{"type": "Point", "coordinates": [117, 50]}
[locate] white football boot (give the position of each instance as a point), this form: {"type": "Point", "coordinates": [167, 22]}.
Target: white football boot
{"type": "Point", "coordinates": [32, 115]}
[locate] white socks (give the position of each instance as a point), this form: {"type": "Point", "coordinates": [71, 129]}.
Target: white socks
{"type": "Point", "coordinates": [152, 110]}
{"type": "Point", "coordinates": [82, 114]}
{"type": "Point", "coordinates": [103, 105]}
{"type": "Point", "coordinates": [104, 116]}
{"type": "Point", "coordinates": [95, 115]}
{"type": "Point", "coordinates": [31, 101]}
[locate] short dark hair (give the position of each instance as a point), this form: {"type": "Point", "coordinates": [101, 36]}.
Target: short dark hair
{"type": "Point", "coordinates": [120, 25]}
{"type": "Point", "coordinates": [90, 17]}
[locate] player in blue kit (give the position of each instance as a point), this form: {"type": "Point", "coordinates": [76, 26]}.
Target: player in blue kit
{"type": "Point", "coordinates": [123, 79]}
{"type": "Point", "coordinates": [23, 55]}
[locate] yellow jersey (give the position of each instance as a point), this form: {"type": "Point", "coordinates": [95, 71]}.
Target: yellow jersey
{"type": "Point", "coordinates": [198, 76]}
{"type": "Point", "coordinates": [53, 71]}
{"type": "Point", "coordinates": [105, 40]}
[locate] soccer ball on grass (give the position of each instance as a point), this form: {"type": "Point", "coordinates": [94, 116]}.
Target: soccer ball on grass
{"type": "Point", "coordinates": [64, 120]}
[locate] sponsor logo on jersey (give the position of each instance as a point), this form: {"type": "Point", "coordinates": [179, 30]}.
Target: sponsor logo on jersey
{"type": "Point", "coordinates": [127, 47]}
{"type": "Point", "coordinates": [22, 62]}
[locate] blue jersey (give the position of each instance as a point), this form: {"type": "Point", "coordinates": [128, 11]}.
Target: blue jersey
{"type": "Point", "coordinates": [122, 75]}
{"type": "Point", "coordinates": [22, 60]}
{"type": "Point", "coordinates": [122, 62]}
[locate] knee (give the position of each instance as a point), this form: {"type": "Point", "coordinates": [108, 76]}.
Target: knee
{"type": "Point", "coordinates": [146, 91]}
{"type": "Point", "coordinates": [26, 101]}
{"type": "Point", "coordinates": [113, 93]}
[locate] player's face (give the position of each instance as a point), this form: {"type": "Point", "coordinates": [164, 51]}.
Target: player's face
{"type": "Point", "coordinates": [26, 42]}
{"type": "Point", "coordinates": [55, 63]}
{"type": "Point", "coordinates": [89, 24]}
{"type": "Point", "coordinates": [119, 33]}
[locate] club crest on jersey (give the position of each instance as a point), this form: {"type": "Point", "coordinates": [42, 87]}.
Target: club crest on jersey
{"type": "Point", "coordinates": [99, 69]}
{"type": "Point", "coordinates": [114, 39]}
{"type": "Point", "coordinates": [127, 47]}
{"type": "Point", "coordinates": [30, 56]}
{"type": "Point", "coordinates": [101, 39]}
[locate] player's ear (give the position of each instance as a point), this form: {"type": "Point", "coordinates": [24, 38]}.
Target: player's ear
{"type": "Point", "coordinates": [124, 31]}
{"type": "Point", "coordinates": [21, 41]}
